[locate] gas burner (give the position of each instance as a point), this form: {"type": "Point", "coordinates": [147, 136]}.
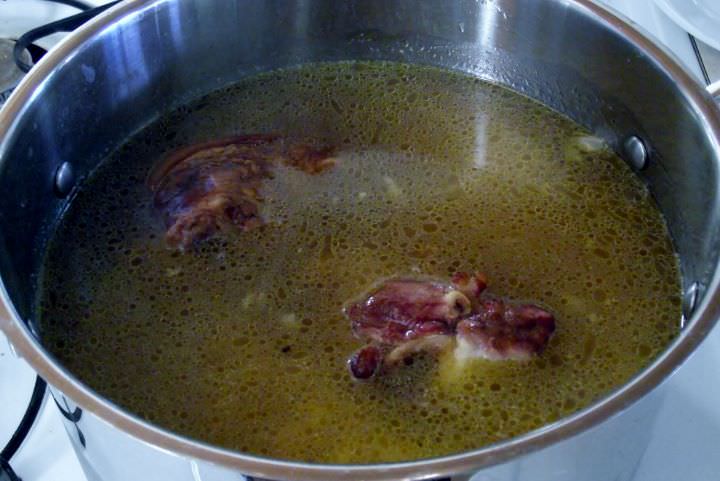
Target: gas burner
{"type": "Point", "coordinates": [10, 74]}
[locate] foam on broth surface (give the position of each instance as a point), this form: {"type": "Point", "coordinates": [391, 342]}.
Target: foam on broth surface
{"type": "Point", "coordinates": [243, 343]}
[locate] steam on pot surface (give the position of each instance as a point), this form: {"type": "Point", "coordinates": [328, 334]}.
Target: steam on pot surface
{"type": "Point", "coordinates": [485, 265]}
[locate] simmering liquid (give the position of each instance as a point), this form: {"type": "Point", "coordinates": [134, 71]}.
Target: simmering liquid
{"type": "Point", "coordinates": [243, 343]}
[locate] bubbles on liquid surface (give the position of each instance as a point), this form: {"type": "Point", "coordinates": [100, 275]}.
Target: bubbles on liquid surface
{"type": "Point", "coordinates": [242, 342]}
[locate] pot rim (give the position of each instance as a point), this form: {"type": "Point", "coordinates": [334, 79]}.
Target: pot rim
{"type": "Point", "coordinates": [25, 344]}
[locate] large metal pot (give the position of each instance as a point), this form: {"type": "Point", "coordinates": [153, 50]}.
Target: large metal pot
{"type": "Point", "coordinates": [116, 74]}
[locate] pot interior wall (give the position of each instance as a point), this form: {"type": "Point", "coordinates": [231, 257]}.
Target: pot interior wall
{"type": "Point", "coordinates": [169, 52]}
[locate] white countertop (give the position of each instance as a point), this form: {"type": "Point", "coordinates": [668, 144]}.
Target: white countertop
{"type": "Point", "coordinates": [685, 445]}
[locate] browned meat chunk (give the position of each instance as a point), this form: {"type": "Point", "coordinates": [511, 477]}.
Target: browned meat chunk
{"type": "Point", "coordinates": [403, 309]}
{"type": "Point", "coordinates": [365, 362]}
{"type": "Point", "coordinates": [405, 316]}
{"type": "Point", "coordinates": [472, 285]}
{"type": "Point", "coordinates": [214, 186]}
{"type": "Point", "coordinates": [500, 331]}
{"type": "Point", "coordinates": [309, 159]}
{"type": "Point", "coordinates": [402, 317]}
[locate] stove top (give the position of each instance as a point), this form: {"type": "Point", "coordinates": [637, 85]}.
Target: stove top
{"type": "Point", "coordinates": [10, 74]}
{"type": "Point", "coordinates": [686, 439]}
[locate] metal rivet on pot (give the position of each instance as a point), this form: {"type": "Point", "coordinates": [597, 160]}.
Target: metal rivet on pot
{"type": "Point", "coordinates": [64, 179]}
{"type": "Point", "coordinates": [690, 301]}
{"type": "Point", "coordinates": [635, 152]}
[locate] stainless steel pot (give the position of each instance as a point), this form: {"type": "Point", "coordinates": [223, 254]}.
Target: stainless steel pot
{"type": "Point", "coordinates": [118, 73]}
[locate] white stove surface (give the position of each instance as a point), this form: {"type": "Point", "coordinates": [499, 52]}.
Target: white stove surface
{"type": "Point", "coordinates": [686, 442]}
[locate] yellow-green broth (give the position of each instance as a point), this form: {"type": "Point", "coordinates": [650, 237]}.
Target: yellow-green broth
{"type": "Point", "coordinates": [243, 343]}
